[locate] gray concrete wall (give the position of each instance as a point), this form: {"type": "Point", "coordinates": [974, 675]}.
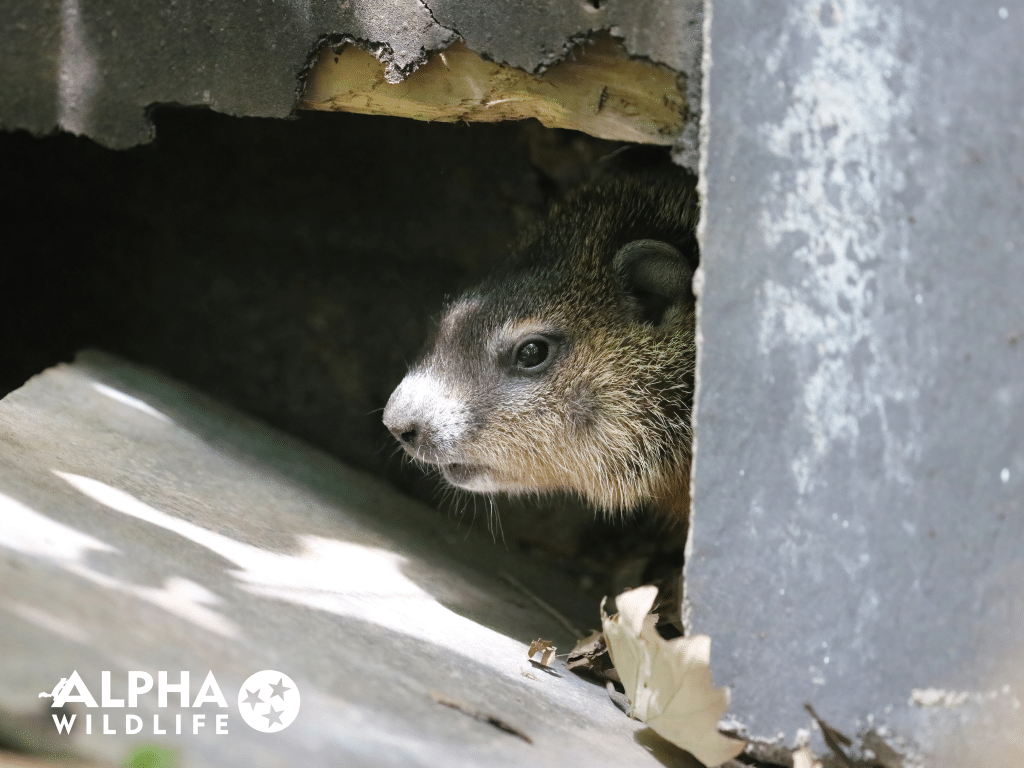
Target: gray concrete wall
{"type": "Point", "coordinates": [859, 475]}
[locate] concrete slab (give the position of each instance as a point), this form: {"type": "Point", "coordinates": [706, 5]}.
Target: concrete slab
{"type": "Point", "coordinates": [94, 68]}
{"type": "Point", "coordinates": [147, 529]}
{"type": "Point", "coordinates": [859, 475]}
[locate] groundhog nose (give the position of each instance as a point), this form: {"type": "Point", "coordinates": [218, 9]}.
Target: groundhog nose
{"type": "Point", "coordinates": [414, 416]}
{"type": "Point", "coordinates": [405, 431]}
{"type": "Point", "coordinates": [406, 428]}
{"type": "Point", "coordinates": [407, 435]}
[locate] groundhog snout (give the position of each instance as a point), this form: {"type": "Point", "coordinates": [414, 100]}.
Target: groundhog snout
{"type": "Point", "coordinates": [407, 434]}
{"type": "Point", "coordinates": [411, 432]}
{"type": "Point", "coordinates": [413, 436]}
{"type": "Point", "coordinates": [422, 420]}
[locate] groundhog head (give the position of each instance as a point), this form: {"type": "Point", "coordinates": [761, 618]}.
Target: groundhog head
{"type": "Point", "coordinates": [572, 368]}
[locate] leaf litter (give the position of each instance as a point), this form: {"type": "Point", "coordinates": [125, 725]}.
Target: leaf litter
{"type": "Point", "coordinates": [668, 682]}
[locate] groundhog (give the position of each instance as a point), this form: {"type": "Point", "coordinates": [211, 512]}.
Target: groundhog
{"type": "Point", "coordinates": [571, 368]}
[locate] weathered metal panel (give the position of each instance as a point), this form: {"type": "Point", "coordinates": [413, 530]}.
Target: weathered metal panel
{"type": "Point", "coordinates": [859, 476]}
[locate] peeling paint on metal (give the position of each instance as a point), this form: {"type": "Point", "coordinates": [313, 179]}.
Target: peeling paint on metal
{"type": "Point", "coordinates": [859, 361]}
{"type": "Point", "coordinates": [843, 110]}
{"type": "Point", "coordinates": [940, 697]}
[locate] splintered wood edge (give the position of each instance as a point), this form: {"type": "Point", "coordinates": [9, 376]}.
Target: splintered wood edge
{"type": "Point", "coordinates": [599, 90]}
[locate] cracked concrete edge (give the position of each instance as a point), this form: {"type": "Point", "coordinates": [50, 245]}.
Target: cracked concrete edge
{"type": "Point", "coordinates": [873, 747]}
{"type": "Point", "coordinates": [688, 147]}
{"type": "Point", "coordinates": [665, 32]}
{"type": "Point", "coordinates": [703, 136]}
{"type": "Point", "coordinates": [394, 72]}
{"type": "Point", "coordinates": [94, 70]}
{"type": "Point", "coordinates": [537, 55]}
{"type": "Point", "coordinates": [426, 53]}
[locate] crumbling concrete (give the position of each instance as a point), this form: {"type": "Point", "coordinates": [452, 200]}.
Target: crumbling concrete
{"type": "Point", "coordinates": [859, 477]}
{"type": "Point", "coordinates": [94, 68]}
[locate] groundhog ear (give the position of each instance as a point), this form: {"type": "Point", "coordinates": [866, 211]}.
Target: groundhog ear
{"type": "Point", "coordinates": [654, 276]}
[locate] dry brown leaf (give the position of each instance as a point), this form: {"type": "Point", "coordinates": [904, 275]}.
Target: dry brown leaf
{"type": "Point", "coordinates": [591, 655]}
{"type": "Point", "coordinates": [668, 682]}
{"type": "Point", "coordinates": [587, 651]}
{"type": "Point", "coordinates": [545, 648]}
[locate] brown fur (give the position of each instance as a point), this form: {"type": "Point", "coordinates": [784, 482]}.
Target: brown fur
{"type": "Point", "coordinates": [610, 418]}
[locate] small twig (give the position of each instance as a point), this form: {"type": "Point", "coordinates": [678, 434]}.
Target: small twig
{"type": "Point", "coordinates": [833, 738]}
{"type": "Point", "coordinates": [542, 604]}
{"type": "Point", "coordinates": [480, 715]}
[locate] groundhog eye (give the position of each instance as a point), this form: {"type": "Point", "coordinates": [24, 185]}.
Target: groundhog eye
{"type": "Point", "coordinates": [532, 353]}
